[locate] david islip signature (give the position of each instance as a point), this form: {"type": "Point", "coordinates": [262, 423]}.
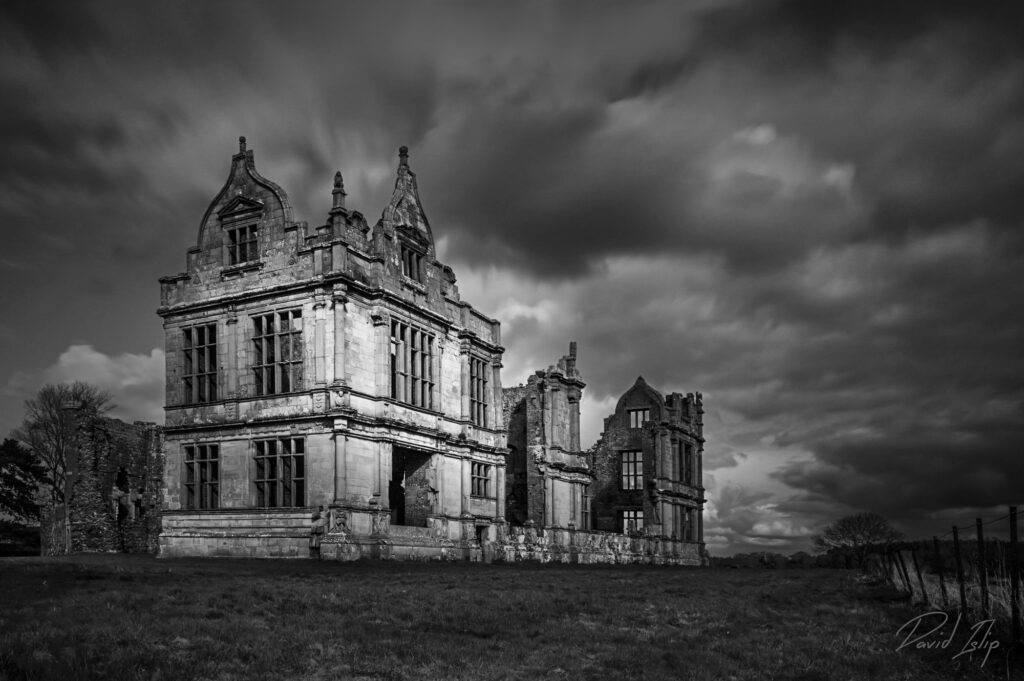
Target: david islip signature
{"type": "Point", "coordinates": [979, 639]}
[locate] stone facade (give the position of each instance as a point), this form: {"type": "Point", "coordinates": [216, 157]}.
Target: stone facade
{"type": "Point", "coordinates": [647, 466]}
{"type": "Point", "coordinates": [332, 366]}
{"type": "Point", "coordinates": [328, 386]}
{"type": "Point", "coordinates": [548, 478]}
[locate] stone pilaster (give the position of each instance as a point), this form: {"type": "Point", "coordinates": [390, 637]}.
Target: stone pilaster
{"type": "Point", "coordinates": [340, 318]}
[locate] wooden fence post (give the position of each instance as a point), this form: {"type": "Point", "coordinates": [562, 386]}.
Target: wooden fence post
{"type": "Point", "coordinates": [920, 580]}
{"type": "Point", "coordinates": [904, 573]}
{"type": "Point", "coordinates": [942, 577]}
{"type": "Point", "coordinates": [959, 571]}
{"type": "Point", "coordinates": [982, 572]}
{"type": "Point", "coordinates": [1014, 576]}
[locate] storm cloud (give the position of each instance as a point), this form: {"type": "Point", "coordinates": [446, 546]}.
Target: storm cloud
{"type": "Point", "coordinates": [809, 212]}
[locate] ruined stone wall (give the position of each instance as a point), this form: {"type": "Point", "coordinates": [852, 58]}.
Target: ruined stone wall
{"type": "Point", "coordinates": [671, 491]}
{"type": "Point", "coordinates": [608, 498]}
{"type": "Point", "coordinates": [116, 489]}
{"type": "Point", "coordinates": [514, 420]}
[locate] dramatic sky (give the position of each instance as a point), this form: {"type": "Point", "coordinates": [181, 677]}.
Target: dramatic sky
{"type": "Point", "coordinates": [811, 212]}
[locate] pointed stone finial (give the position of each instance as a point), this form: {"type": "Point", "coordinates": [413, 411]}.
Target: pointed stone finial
{"type": "Point", "coordinates": [339, 191]}
{"type": "Point", "coordinates": [241, 144]}
{"type": "Point", "coordinates": [403, 156]}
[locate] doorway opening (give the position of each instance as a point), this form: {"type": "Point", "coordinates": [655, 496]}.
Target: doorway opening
{"type": "Point", "coordinates": [408, 489]}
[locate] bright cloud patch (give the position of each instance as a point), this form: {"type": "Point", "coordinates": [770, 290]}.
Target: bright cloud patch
{"type": "Point", "coordinates": [134, 381]}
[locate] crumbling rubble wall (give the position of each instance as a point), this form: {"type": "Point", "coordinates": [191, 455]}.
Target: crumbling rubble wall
{"type": "Point", "coordinates": [116, 488]}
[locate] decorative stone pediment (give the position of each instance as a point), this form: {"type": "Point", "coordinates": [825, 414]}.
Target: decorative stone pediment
{"type": "Point", "coordinates": [413, 235]}
{"type": "Point", "coordinates": [240, 205]}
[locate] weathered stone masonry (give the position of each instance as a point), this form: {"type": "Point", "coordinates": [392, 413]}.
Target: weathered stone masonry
{"type": "Point", "coordinates": [548, 478]}
{"type": "Point", "coordinates": [337, 366]}
{"type": "Point", "coordinates": [116, 479]}
{"type": "Point", "coordinates": [333, 366]}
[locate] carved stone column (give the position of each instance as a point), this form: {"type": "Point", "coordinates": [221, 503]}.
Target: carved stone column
{"type": "Point", "coordinates": [340, 467]}
{"type": "Point", "coordinates": [232, 366]}
{"type": "Point", "coordinates": [467, 487]}
{"type": "Point", "coordinates": [464, 381]}
{"type": "Point", "coordinates": [382, 355]}
{"type": "Point", "coordinates": [319, 343]}
{"type": "Point", "coordinates": [337, 358]}
{"type": "Point", "coordinates": [500, 493]}
{"type": "Point", "coordinates": [574, 420]}
{"type": "Point", "coordinates": [494, 418]}
{"type": "Point", "coordinates": [383, 476]}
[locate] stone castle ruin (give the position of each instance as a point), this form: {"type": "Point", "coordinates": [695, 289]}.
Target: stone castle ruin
{"type": "Point", "coordinates": [338, 368]}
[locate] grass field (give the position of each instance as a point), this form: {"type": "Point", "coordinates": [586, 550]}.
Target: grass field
{"type": "Point", "coordinates": [134, 617]}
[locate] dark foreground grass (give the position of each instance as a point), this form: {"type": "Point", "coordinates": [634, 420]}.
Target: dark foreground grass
{"type": "Point", "coordinates": [123, 617]}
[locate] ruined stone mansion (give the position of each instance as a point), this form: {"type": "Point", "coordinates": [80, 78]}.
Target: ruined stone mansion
{"type": "Point", "coordinates": [337, 367]}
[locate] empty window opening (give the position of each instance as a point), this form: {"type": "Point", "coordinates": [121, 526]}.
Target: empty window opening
{"type": "Point", "coordinates": [480, 475]}
{"type": "Point", "coordinates": [199, 373]}
{"type": "Point", "coordinates": [631, 521]}
{"type": "Point", "coordinates": [277, 352]}
{"type": "Point", "coordinates": [478, 391]}
{"type": "Point", "coordinates": [637, 417]}
{"type": "Point", "coordinates": [412, 263]}
{"type": "Point", "coordinates": [202, 476]}
{"type": "Point", "coordinates": [242, 244]}
{"type": "Point", "coordinates": [281, 472]}
{"type": "Point", "coordinates": [412, 369]}
{"type": "Point", "coordinates": [632, 470]}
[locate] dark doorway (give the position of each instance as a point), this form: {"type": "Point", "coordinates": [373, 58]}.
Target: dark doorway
{"type": "Point", "coordinates": [409, 489]}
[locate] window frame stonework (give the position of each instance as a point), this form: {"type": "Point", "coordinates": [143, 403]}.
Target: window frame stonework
{"type": "Point", "coordinates": [411, 364]}
{"type": "Point", "coordinates": [636, 515]}
{"type": "Point", "coordinates": [631, 469]}
{"type": "Point", "coordinates": [199, 364]}
{"type": "Point", "coordinates": [478, 394]}
{"type": "Point", "coordinates": [201, 480]}
{"type": "Point", "coordinates": [242, 244]}
{"type": "Point", "coordinates": [278, 352]}
{"type": "Point", "coordinates": [480, 479]}
{"type": "Point", "coordinates": [279, 472]}
{"type": "Point", "coordinates": [412, 262]}
{"type": "Point", "coordinates": [637, 417]}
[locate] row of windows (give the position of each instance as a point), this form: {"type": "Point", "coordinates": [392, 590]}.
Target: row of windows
{"type": "Point", "coordinates": [280, 474]}
{"type": "Point", "coordinates": [242, 247]}
{"type": "Point", "coordinates": [277, 363]}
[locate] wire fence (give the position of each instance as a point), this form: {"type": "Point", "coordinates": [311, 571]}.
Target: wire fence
{"type": "Point", "coordinates": [962, 571]}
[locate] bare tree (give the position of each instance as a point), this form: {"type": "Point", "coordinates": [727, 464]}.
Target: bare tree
{"type": "Point", "coordinates": [52, 418]}
{"type": "Point", "coordinates": [856, 534]}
